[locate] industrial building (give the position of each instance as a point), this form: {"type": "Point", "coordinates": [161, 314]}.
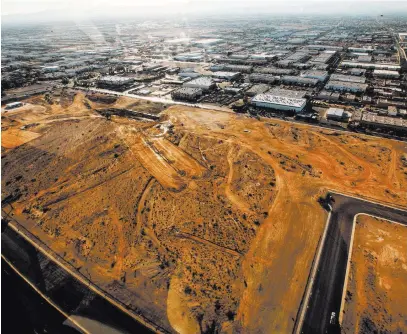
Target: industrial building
{"type": "Point", "coordinates": [371, 66]}
{"type": "Point", "coordinates": [386, 74]}
{"type": "Point", "coordinates": [115, 82]}
{"type": "Point", "coordinates": [338, 114]}
{"type": "Point", "coordinates": [264, 78]}
{"type": "Point", "coordinates": [204, 83]}
{"type": "Point", "coordinates": [226, 75]}
{"type": "Point", "coordinates": [271, 101]}
{"type": "Point", "coordinates": [275, 70]}
{"type": "Point", "coordinates": [319, 75]}
{"type": "Point", "coordinates": [288, 92]}
{"type": "Point", "coordinates": [187, 94]}
{"type": "Point", "coordinates": [373, 120]}
{"type": "Point", "coordinates": [347, 78]}
{"type": "Point", "coordinates": [257, 89]}
{"type": "Point", "coordinates": [343, 86]}
{"type": "Point", "coordinates": [298, 80]}
{"type": "Point", "coordinates": [13, 105]}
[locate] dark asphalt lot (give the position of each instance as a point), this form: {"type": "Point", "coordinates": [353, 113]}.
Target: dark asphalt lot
{"type": "Point", "coordinates": [327, 290]}
{"type": "Point", "coordinates": [72, 296]}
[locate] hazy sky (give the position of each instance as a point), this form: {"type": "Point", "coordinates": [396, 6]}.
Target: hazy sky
{"type": "Point", "coordinates": [78, 8]}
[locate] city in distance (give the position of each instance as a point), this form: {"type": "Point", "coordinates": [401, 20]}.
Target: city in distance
{"type": "Point", "coordinates": [204, 167]}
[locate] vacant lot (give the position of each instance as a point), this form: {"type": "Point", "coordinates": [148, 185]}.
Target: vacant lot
{"type": "Point", "coordinates": [376, 296]}
{"type": "Point", "coordinates": [202, 221]}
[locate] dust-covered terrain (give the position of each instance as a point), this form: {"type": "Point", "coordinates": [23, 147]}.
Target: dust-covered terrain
{"type": "Point", "coordinates": [376, 296]}
{"type": "Point", "coordinates": [201, 221]}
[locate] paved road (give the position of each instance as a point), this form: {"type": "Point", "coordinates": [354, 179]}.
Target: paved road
{"type": "Point", "coordinates": [327, 290]}
{"type": "Point", "coordinates": [72, 296]}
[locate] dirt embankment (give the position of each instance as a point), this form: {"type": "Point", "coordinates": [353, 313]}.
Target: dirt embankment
{"type": "Point", "coordinates": [205, 221]}
{"type": "Point", "coordinates": [376, 297]}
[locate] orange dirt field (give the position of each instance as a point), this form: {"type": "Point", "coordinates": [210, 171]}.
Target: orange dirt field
{"type": "Point", "coordinates": [376, 300]}
{"type": "Point", "coordinates": [204, 220]}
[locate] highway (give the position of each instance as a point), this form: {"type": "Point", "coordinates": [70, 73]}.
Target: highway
{"type": "Point", "coordinates": [327, 290]}
{"type": "Point", "coordinates": [75, 301]}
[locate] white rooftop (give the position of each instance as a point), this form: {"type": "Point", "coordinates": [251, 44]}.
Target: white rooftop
{"type": "Point", "coordinates": [280, 100]}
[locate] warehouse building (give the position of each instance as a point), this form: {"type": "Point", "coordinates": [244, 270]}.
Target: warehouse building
{"type": "Point", "coordinates": [298, 94]}
{"type": "Point", "coordinates": [238, 68]}
{"type": "Point", "coordinates": [275, 70]}
{"type": "Point", "coordinates": [386, 74]}
{"type": "Point", "coordinates": [338, 114]}
{"type": "Point", "coordinates": [257, 89]}
{"type": "Point", "coordinates": [319, 75]}
{"type": "Point", "coordinates": [347, 78]}
{"type": "Point", "coordinates": [115, 82]}
{"type": "Point", "coordinates": [281, 103]}
{"type": "Point", "coordinates": [343, 86]}
{"type": "Point", "coordinates": [13, 105]}
{"type": "Point", "coordinates": [187, 94]}
{"type": "Point", "coordinates": [264, 78]}
{"type": "Point", "coordinates": [373, 120]}
{"type": "Point", "coordinates": [372, 66]}
{"type": "Point", "coordinates": [324, 47]}
{"type": "Point", "coordinates": [204, 83]}
{"type": "Point", "coordinates": [298, 80]}
{"type": "Point", "coordinates": [226, 75]}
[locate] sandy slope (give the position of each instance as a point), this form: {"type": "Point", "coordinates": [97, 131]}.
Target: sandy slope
{"type": "Point", "coordinates": [217, 218]}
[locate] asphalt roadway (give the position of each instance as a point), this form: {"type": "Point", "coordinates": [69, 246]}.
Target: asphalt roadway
{"type": "Point", "coordinates": [71, 296]}
{"type": "Point", "coordinates": [326, 295]}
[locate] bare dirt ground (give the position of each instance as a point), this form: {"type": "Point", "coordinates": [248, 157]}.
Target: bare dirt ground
{"type": "Point", "coordinates": [376, 300]}
{"type": "Point", "coordinates": [202, 221]}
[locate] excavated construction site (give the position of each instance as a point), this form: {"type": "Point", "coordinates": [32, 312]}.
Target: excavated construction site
{"type": "Point", "coordinates": [376, 296]}
{"type": "Point", "coordinates": [200, 221]}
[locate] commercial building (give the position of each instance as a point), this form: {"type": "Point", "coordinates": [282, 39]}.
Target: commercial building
{"type": "Point", "coordinates": [187, 94]}
{"type": "Point", "coordinates": [271, 101]}
{"type": "Point", "coordinates": [343, 86]}
{"type": "Point", "coordinates": [204, 83]}
{"type": "Point", "coordinates": [386, 74]}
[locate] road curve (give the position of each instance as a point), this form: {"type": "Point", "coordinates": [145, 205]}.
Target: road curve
{"type": "Point", "coordinates": [326, 294]}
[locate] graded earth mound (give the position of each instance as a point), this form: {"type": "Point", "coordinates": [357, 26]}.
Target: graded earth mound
{"type": "Point", "coordinates": [376, 297]}
{"type": "Point", "coordinates": [201, 221]}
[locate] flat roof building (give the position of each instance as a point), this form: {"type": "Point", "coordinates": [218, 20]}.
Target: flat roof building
{"type": "Point", "coordinates": [226, 75]}
{"type": "Point", "coordinates": [264, 78]}
{"type": "Point", "coordinates": [271, 101]}
{"type": "Point", "coordinates": [343, 86]}
{"type": "Point", "coordinates": [374, 120]}
{"type": "Point", "coordinates": [386, 74]}
{"type": "Point", "coordinates": [298, 80]}
{"type": "Point", "coordinates": [338, 114]}
{"type": "Point", "coordinates": [347, 78]}
{"type": "Point", "coordinates": [13, 105]}
{"type": "Point", "coordinates": [391, 67]}
{"type": "Point", "coordinates": [319, 75]}
{"type": "Point", "coordinates": [187, 94]}
{"type": "Point", "coordinates": [204, 83]}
